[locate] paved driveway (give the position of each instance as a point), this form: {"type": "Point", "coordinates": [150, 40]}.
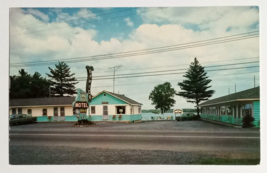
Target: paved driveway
{"type": "Point", "coordinates": [155, 142]}
{"type": "Point", "coordinates": [196, 125]}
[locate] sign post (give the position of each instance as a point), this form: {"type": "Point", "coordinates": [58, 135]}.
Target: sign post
{"type": "Point", "coordinates": [82, 100]}
{"type": "Point", "coordinates": [81, 105]}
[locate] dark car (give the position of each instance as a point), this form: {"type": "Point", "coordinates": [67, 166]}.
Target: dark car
{"type": "Point", "coordinates": [187, 116]}
{"type": "Point", "coordinates": [21, 119]}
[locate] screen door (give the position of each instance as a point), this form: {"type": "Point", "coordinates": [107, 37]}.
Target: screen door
{"type": "Point", "coordinates": [105, 112]}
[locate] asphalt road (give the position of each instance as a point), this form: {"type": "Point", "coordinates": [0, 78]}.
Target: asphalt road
{"type": "Point", "coordinates": [98, 145]}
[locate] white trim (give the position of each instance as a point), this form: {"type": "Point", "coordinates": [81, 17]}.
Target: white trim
{"type": "Point", "coordinates": [38, 106]}
{"type": "Point", "coordinates": [115, 97]}
{"type": "Point", "coordinates": [252, 99]}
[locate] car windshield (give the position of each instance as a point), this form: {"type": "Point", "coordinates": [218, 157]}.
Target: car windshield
{"type": "Point", "coordinates": [13, 116]}
{"type": "Point", "coordinates": [22, 116]}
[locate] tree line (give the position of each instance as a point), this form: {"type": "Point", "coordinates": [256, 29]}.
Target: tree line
{"type": "Point", "coordinates": [60, 83]}
{"type": "Point", "coordinates": [195, 89]}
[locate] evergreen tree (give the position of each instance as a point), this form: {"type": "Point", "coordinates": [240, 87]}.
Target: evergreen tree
{"type": "Point", "coordinates": [39, 86]}
{"type": "Point", "coordinates": [162, 97]}
{"type": "Point", "coordinates": [61, 80]}
{"type": "Point", "coordinates": [195, 87]}
{"type": "Point", "coordinates": [25, 85]}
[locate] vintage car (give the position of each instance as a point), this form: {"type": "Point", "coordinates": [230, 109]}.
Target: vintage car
{"type": "Point", "coordinates": [187, 116]}
{"type": "Point", "coordinates": [21, 119]}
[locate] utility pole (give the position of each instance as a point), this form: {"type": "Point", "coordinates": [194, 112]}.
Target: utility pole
{"type": "Point", "coordinates": [235, 88]}
{"type": "Point", "coordinates": [115, 68]}
{"type": "Point", "coordinates": [254, 81]}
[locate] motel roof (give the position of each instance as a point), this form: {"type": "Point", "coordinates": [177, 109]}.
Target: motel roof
{"type": "Point", "coordinates": [42, 101]}
{"type": "Point", "coordinates": [246, 95]}
{"type": "Point", "coordinates": [61, 100]}
{"type": "Point", "coordinates": [121, 97]}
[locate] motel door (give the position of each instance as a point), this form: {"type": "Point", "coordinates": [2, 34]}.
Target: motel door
{"type": "Point", "coordinates": [55, 114]}
{"type": "Point", "coordinates": [105, 112]}
{"type": "Point", "coordinates": [62, 114]}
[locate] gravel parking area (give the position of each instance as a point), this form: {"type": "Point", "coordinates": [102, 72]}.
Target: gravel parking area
{"type": "Point", "coordinates": [124, 143]}
{"type": "Point", "coordinates": [73, 155]}
{"type": "Point", "coordinates": [196, 125]}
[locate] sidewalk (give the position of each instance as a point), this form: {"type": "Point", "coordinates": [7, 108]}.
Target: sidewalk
{"type": "Point", "coordinates": [221, 123]}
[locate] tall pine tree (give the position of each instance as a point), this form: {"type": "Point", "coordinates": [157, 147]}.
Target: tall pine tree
{"type": "Point", "coordinates": [195, 87]}
{"type": "Point", "coordinates": [62, 80]}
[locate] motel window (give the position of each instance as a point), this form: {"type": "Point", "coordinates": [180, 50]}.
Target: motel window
{"type": "Point", "coordinates": [229, 110]}
{"type": "Point", "coordinates": [215, 111]}
{"type": "Point", "coordinates": [29, 112]}
{"type": "Point", "coordinates": [246, 110]}
{"type": "Point", "coordinates": [222, 109]}
{"type": "Point", "coordinates": [13, 110]}
{"type": "Point", "coordinates": [105, 110]}
{"type": "Point", "coordinates": [19, 111]}
{"type": "Point", "coordinates": [44, 112]}
{"type": "Point", "coordinates": [55, 111]}
{"type": "Point", "coordinates": [120, 109]}
{"type": "Point", "coordinates": [62, 111]}
{"type": "Point", "coordinates": [92, 109]}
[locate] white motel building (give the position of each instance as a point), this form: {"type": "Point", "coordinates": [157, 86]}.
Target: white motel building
{"type": "Point", "coordinates": [105, 106]}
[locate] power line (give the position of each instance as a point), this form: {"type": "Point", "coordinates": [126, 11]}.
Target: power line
{"type": "Point", "coordinates": [203, 63]}
{"type": "Point", "coordinates": [83, 23]}
{"type": "Point", "coordinates": [117, 55]}
{"type": "Point", "coordinates": [171, 80]}
{"type": "Point", "coordinates": [173, 70]}
{"type": "Point", "coordinates": [142, 50]}
{"type": "Point", "coordinates": [168, 73]}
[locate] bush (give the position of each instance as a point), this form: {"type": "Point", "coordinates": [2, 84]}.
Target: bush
{"type": "Point", "coordinates": [247, 121]}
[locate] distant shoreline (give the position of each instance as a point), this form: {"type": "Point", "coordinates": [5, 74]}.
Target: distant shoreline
{"type": "Point", "coordinates": [169, 111]}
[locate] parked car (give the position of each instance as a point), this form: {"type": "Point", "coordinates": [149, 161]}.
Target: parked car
{"type": "Point", "coordinates": [21, 119]}
{"type": "Point", "coordinates": [187, 116]}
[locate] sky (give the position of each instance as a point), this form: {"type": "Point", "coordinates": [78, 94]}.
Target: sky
{"type": "Point", "coordinates": [45, 34]}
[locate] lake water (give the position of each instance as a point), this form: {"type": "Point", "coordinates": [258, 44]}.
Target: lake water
{"type": "Point", "coordinates": [147, 116]}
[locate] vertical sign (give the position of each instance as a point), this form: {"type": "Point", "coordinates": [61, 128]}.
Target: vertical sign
{"type": "Point", "coordinates": [89, 81]}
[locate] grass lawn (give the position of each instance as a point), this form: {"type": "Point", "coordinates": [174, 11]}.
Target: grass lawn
{"type": "Point", "coordinates": [220, 161]}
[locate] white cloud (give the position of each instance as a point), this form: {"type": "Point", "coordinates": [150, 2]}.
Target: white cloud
{"type": "Point", "coordinates": [85, 13]}
{"type": "Point", "coordinates": [219, 18]}
{"type": "Point", "coordinates": [128, 21]}
{"type": "Point", "coordinates": [37, 13]}
{"type": "Point", "coordinates": [68, 42]}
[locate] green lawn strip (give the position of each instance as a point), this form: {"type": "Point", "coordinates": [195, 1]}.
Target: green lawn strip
{"type": "Point", "coordinates": [220, 161]}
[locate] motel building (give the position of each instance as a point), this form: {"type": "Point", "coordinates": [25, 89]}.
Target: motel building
{"type": "Point", "coordinates": [233, 107]}
{"type": "Point", "coordinates": [105, 106]}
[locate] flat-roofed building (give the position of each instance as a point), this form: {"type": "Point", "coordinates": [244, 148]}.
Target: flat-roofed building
{"type": "Point", "coordinates": [233, 107]}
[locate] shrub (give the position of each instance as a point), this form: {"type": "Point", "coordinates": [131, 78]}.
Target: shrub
{"type": "Point", "coordinates": [247, 121]}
